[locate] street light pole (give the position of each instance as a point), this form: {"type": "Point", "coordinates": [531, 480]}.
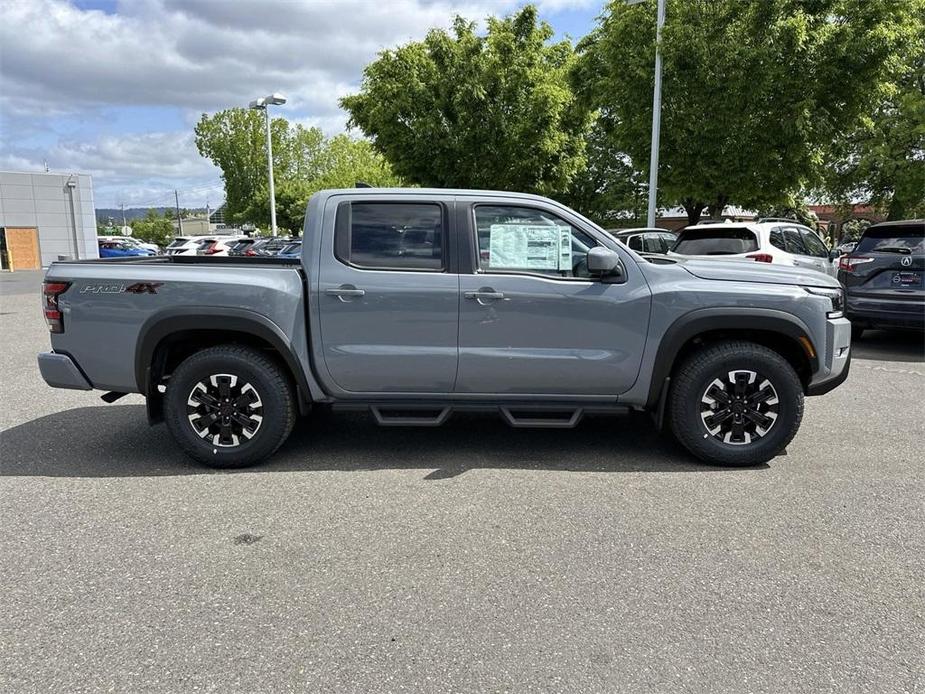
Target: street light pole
{"type": "Point", "coordinates": [266, 112]}
{"type": "Point", "coordinates": [656, 116]}
{"type": "Point", "coordinates": [264, 103]}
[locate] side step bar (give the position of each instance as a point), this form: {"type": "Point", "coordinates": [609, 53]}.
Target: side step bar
{"type": "Point", "coordinates": [550, 415]}
{"type": "Point", "coordinates": [556, 419]}
{"type": "Point", "coordinates": [408, 417]}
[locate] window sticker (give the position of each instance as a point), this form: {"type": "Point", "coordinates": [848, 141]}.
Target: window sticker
{"type": "Point", "coordinates": [530, 247]}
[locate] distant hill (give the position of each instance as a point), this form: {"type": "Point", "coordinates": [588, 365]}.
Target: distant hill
{"type": "Point", "coordinates": [103, 214]}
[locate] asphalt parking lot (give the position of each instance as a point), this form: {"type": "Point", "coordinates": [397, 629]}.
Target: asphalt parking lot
{"type": "Point", "coordinates": [473, 557]}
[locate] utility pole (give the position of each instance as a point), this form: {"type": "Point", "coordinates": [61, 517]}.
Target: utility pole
{"type": "Point", "coordinates": [656, 116]}
{"type": "Point", "coordinates": [123, 214]}
{"type": "Point", "coordinates": [176, 197]}
{"type": "Point", "coordinates": [208, 226]}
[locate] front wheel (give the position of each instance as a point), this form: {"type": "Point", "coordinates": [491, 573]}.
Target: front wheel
{"type": "Point", "coordinates": [229, 406]}
{"type": "Point", "coordinates": [735, 403]}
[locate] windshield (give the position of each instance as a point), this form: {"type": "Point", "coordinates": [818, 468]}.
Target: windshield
{"type": "Point", "coordinates": [724, 241]}
{"type": "Point", "coordinates": [893, 239]}
{"type": "Point", "coordinates": [177, 242]}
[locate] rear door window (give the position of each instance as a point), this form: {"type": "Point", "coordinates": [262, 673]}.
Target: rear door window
{"type": "Point", "coordinates": [176, 243]}
{"type": "Point", "coordinates": [716, 241]}
{"type": "Point", "coordinates": [794, 241]}
{"type": "Point", "coordinates": [777, 239]}
{"type": "Point", "coordinates": [391, 235]}
{"type": "Point", "coordinates": [814, 244]}
{"type": "Point", "coordinates": [903, 239]}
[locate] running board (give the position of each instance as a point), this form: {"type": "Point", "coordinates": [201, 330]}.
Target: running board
{"type": "Point", "coordinates": [410, 416]}
{"type": "Point", "coordinates": [542, 418]}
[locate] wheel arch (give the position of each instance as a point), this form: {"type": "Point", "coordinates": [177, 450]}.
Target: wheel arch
{"type": "Point", "coordinates": [785, 333]}
{"type": "Point", "coordinates": [168, 337]}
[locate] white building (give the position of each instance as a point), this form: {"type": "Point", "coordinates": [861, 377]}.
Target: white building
{"type": "Point", "coordinates": [58, 207]}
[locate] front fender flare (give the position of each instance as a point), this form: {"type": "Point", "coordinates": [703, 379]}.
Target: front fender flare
{"type": "Point", "coordinates": [705, 320]}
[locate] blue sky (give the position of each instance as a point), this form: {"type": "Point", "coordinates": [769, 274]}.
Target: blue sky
{"type": "Point", "coordinates": [113, 88]}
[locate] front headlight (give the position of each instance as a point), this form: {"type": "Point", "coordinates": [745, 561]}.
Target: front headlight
{"type": "Point", "coordinates": [837, 296]}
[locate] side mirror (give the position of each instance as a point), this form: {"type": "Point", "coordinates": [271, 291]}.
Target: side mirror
{"type": "Point", "coordinates": [833, 254]}
{"type": "Point", "coordinates": [604, 263]}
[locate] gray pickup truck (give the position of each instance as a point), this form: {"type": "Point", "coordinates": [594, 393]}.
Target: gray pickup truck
{"type": "Point", "coordinates": [415, 303]}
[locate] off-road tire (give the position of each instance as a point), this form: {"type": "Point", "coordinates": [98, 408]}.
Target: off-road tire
{"type": "Point", "coordinates": [693, 377]}
{"type": "Point", "coordinates": [272, 384]}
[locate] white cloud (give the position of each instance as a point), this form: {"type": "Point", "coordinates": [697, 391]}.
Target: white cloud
{"type": "Point", "coordinates": [59, 61]}
{"type": "Point", "coordinates": [133, 169]}
{"type": "Point", "coordinates": [203, 55]}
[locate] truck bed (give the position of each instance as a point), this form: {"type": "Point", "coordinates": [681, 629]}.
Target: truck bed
{"type": "Point", "coordinates": [188, 260]}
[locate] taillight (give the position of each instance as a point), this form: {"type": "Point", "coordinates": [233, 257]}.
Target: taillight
{"type": "Point", "coordinates": [849, 262]}
{"type": "Point", "coordinates": [211, 249]}
{"type": "Point", "coordinates": [50, 293]}
{"type": "Point", "coordinates": [250, 252]}
{"type": "Point", "coordinates": [761, 257]}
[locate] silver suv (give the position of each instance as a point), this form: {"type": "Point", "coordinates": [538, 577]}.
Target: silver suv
{"type": "Point", "coordinates": [776, 242]}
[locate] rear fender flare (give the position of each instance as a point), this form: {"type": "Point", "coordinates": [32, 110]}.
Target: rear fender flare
{"type": "Point", "coordinates": [230, 320]}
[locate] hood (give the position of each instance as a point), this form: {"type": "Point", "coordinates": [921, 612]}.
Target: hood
{"type": "Point", "coordinates": [750, 271]}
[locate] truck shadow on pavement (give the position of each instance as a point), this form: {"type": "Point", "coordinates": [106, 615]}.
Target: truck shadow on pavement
{"type": "Point", "coordinates": [116, 441]}
{"type": "Point", "coordinates": [890, 345]}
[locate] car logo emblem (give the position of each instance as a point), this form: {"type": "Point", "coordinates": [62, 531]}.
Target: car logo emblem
{"type": "Point", "coordinates": [906, 261]}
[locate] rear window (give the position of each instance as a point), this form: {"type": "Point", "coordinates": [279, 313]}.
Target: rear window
{"type": "Point", "coordinates": [177, 242]}
{"type": "Point", "coordinates": [390, 236]}
{"type": "Point", "coordinates": [724, 241]}
{"type": "Point", "coordinates": [893, 239]}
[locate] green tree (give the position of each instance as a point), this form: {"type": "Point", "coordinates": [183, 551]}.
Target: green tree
{"type": "Point", "coordinates": [607, 189]}
{"type": "Point", "coordinates": [882, 160]}
{"type": "Point", "coordinates": [153, 228]}
{"type": "Point", "coordinates": [304, 161]}
{"type": "Point", "coordinates": [235, 141]}
{"type": "Point", "coordinates": [460, 109]}
{"type": "Point", "coordinates": [752, 91]}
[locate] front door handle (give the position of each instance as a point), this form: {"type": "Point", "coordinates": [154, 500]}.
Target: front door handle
{"type": "Point", "coordinates": [345, 292]}
{"type": "Point", "coordinates": [483, 295]}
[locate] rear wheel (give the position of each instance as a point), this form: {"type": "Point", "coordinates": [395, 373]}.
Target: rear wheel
{"type": "Point", "coordinates": [229, 406]}
{"type": "Point", "coordinates": [735, 403]}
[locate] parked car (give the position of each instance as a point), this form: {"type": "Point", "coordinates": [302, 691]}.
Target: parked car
{"type": "Point", "coordinates": [496, 301]}
{"type": "Point", "coordinates": [268, 247]}
{"type": "Point", "coordinates": [778, 243]}
{"type": "Point", "coordinates": [184, 245]}
{"type": "Point", "coordinates": [646, 240]}
{"type": "Point", "coordinates": [293, 250]}
{"type": "Point", "coordinates": [241, 245]}
{"type": "Point", "coordinates": [217, 246]}
{"type": "Point", "coordinates": [120, 249]}
{"type": "Point", "coordinates": [132, 241]}
{"type": "Point", "coordinates": [883, 277]}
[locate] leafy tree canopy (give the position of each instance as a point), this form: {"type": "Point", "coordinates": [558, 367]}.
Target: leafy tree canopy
{"type": "Point", "coordinates": [153, 228]}
{"type": "Point", "coordinates": [607, 189]}
{"type": "Point", "coordinates": [882, 160]}
{"type": "Point", "coordinates": [463, 110]}
{"type": "Point", "coordinates": [752, 91]}
{"type": "Point", "coordinates": [304, 161]}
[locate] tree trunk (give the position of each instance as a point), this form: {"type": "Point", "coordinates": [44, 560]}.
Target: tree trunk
{"type": "Point", "coordinates": [716, 207]}
{"type": "Point", "coordinates": [896, 209]}
{"type": "Point", "coordinates": [693, 208]}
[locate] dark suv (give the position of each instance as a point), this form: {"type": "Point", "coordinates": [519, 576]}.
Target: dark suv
{"type": "Point", "coordinates": [883, 277]}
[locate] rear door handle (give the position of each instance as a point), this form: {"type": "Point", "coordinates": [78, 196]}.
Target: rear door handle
{"type": "Point", "coordinates": [345, 292]}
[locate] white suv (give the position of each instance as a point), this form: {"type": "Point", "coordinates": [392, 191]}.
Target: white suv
{"type": "Point", "coordinates": [778, 242]}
